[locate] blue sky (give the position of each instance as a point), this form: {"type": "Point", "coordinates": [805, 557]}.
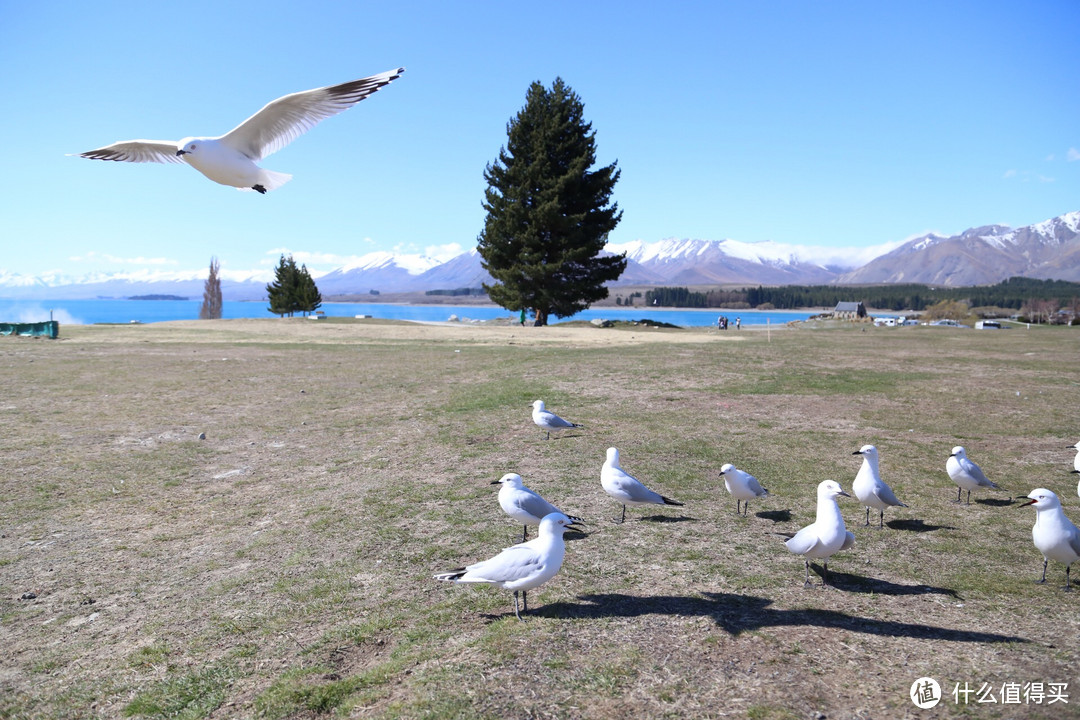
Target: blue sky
{"type": "Point", "coordinates": [844, 124]}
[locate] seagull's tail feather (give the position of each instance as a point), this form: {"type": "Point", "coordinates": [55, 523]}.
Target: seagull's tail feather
{"type": "Point", "coordinates": [270, 180]}
{"type": "Point", "coordinates": [575, 519]}
{"type": "Point", "coordinates": [786, 535]}
{"type": "Point", "coordinates": [452, 576]}
{"type": "Point", "coordinates": [669, 501]}
{"type": "Point", "coordinates": [577, 425]}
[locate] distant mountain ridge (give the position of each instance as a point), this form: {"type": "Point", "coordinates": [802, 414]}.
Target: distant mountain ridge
{"type": "Point", "coordinates": [1049, 250]}
{"type": "Point", "coordinates": [978, 256]}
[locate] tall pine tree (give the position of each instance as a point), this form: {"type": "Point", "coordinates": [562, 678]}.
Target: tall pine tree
{"type": "Point", "coordinates": [548, 213]}
{"type": "Point", "coordinates": [282, 291]}
{"type": "Point", "coordinates": [308, 298]}
{"type": "Point", "coordinates": [293, 289]}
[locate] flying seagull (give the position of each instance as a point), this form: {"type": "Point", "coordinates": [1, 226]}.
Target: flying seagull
{"type": "Point", "coordinates": [230, 159]}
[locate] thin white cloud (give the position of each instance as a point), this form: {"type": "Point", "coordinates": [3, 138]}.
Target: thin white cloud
{"type": "Point", "coordinates": [444, 252]}
{"type": "Point", "coordinates": [1026, 176]}
{"type": "Point", "coordinates": [1072, 155]}
{"type": "Point", "coordinates": [95, 257]}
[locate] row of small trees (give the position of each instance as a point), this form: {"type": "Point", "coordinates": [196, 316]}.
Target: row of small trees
{"type": "Point", "coordinates": [293, 290]}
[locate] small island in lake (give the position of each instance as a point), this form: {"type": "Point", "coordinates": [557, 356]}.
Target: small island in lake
{"type": "Point", "coordinates": [156, 297]}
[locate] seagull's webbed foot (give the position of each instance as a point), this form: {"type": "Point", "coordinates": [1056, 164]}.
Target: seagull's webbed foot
{"type": "Point", "coordinates": [259, 189]}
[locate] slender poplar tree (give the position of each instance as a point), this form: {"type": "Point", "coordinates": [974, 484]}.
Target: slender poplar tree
{"type": "Point", "coordinates": [211, 299]}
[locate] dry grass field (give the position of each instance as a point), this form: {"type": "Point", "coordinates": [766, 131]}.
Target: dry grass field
{"type": "Point", "coordinates": [233, 518]}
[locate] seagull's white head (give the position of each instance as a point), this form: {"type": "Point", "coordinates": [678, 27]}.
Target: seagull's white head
{"type": "Point", "coordinates": [958, 451]}
{"type": "Point", "coordinates": [726, 468]}
{"type": "Point", "coordinates": [830, 490]}
{"type": "Point", "coordinates": [613, 457]}
{"type": "Point", "coordinates": [556, 523]}
{"type": "Point", "coordinates": [187, 146]}
{"type": "Point", "coordinates": [1042, 499]}
{"type": "Point", "coordinates": [511, 479]}
{"type": "Point", "coordinates": [538, 405]}
{"type": "Point", "coordinates": [867, 451]}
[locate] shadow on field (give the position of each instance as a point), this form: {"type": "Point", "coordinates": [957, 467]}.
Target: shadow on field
{"type": "Point", "coordinates": [995, 502]}
{"type": "Point", "coordinates": [668, 518]}
{"type": "Point", "coordinates": [737, 614]}
{"type": "Point", "coordinates": [915, 525]}
{"type": "Point", "coordinates": [775, 515]}
{"type": "Point", "coordinates": [858, 583]}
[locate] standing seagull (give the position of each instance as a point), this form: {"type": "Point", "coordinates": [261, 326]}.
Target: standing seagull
{"type": "Point", "coordinates": [741, 486]}
{"type": "Point", "coordinates": [626, 488]}
{"type": "Point", "coordinates": [827, 535]}
{"type": "Point", "coordinates": [869, 487]}
{"type": "Point", "coordinates": [523, 566]}
{"type": "Point", "coordinates": [524, 505]}
{"type": "Point", "coordinates": [230, 159]}
{"type": "Point", "coordinates": [548, 420]}
{"type": "Point", "coordinates": [1054, 534]}
{"type": "Point", "coordinates": [966, 474]}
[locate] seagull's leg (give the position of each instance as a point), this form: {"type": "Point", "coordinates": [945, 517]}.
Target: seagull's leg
{"type": "Point", "coordinates": [958, 491]}
{"type": "Point", "coordinates": [1040, 582]}
{"type": "Point", "coordinates": [623, 518]}
{"type": "Point", "coordinates": [1068, 588]}
{"type": "Point", "coordinates": [548, 434]}
{"type": "Point", "coordinates": [746, 508]}
{"type": "Point", "coordinates": [825, 574]}
{"type": "Point", "coordinates": [881, 520]}
{"type": "Point", "coordinates": [867, 523]}
{"type": "Point", "coordinates": [738, 506]}
{"type": "Point", "coordinates": [517, 613]}
{"type": "Point", "coordinates": [524, 532]}
{"type": "Point", "coordinates": [807, 582]}
{"type": "Point", "coordinates": [969, 497]}
{"type": "Point", "coordinates": [525, 600]}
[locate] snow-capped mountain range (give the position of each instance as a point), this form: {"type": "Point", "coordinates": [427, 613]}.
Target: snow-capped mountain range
{"type": "Point", "coordinates": [978, 256]}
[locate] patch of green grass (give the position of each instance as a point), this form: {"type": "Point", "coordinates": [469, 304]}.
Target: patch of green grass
{"type": "Point", "coordinates": [319, 690]}
{"type": "Point", "coordinates": [148, 656]}
{"type": "Point", "coordinates": [189, 696]}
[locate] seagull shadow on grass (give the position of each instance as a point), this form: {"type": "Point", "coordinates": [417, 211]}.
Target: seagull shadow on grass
{"type": "Point", "coordinates": [775, 515]}
{"type": "Point", "coordinates": [995, 502]}
{"type": "Point", "coordinates": [737, 614]}
{"type": "Point", "coordinates": [915, 525]}
{"type": "Point", "coordinates": [849, 582]}
{"type": "Point", "coordinates": [667, 518]}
